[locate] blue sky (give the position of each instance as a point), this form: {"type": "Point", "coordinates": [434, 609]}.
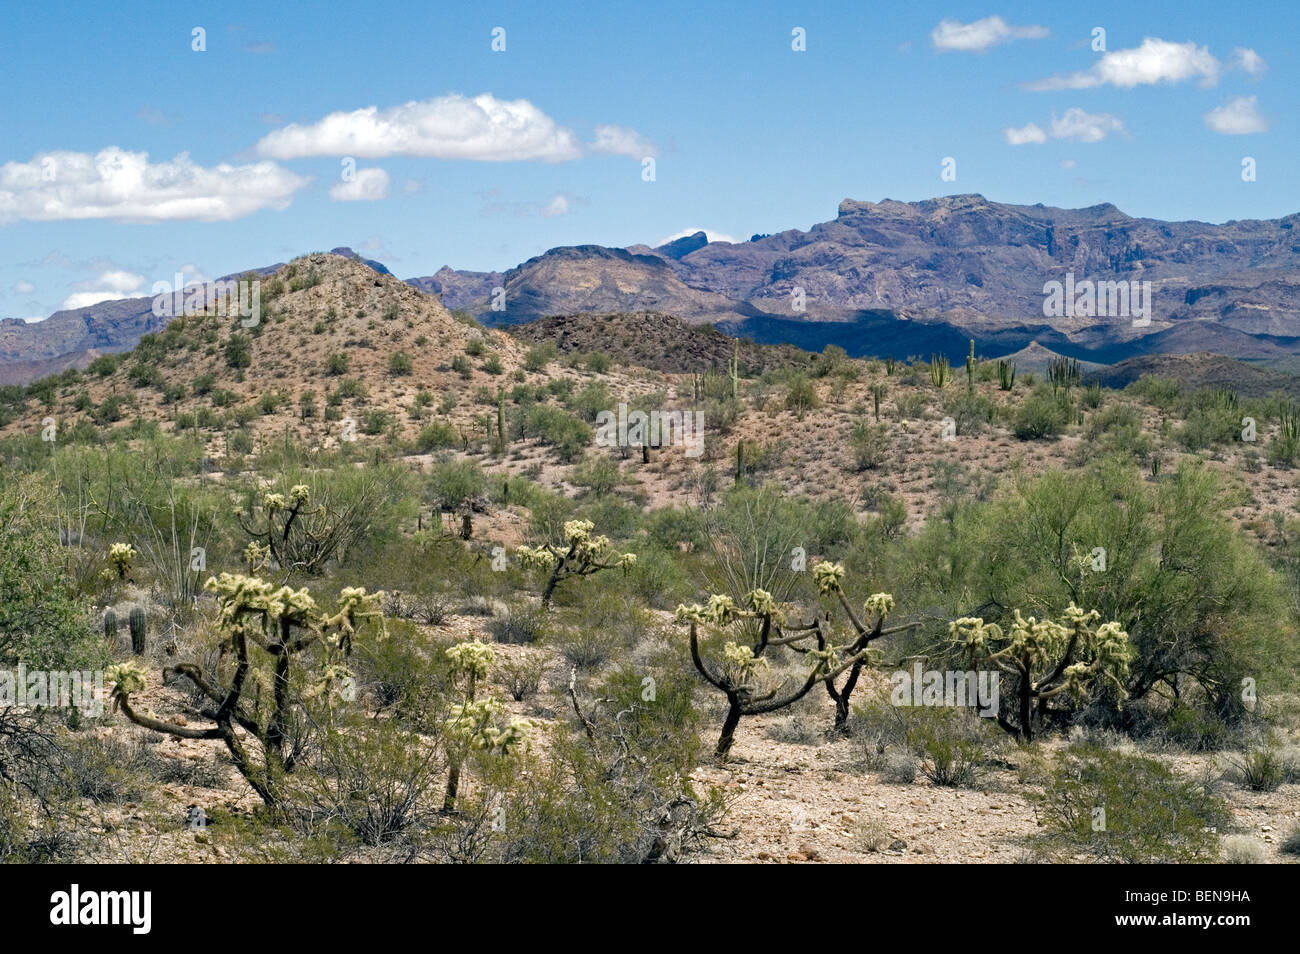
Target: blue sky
{"type": "Point", "coordinates": [128, 156]}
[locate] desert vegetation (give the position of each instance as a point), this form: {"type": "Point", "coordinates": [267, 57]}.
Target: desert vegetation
{"type": "Point", "coordinates": [359, 598]}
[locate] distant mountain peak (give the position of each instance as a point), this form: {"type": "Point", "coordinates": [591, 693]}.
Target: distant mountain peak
{"type": "Point", "coordinates": [349, 253]}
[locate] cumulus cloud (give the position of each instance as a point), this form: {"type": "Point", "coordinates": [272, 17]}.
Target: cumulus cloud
{"type": "Point", "coordinates": [1248, 61]}
{"type": "Point", "coordinates": [1154, 61]}
{"type": "Point", "coordinates": [366, 185]}
{"type": "Point", "coordinates": [711, 235]}
{"type": "Point", "coordinates": [1076, 124]}
{"type": "Point", "coordinates": [1030, 132]}
{"type": "Point", "coordinates": [981, 35]}
{"type": "Point", "coordinates": [108, 286]}
{"type": "Point", "coordinates": [24, 287]}
{"type": "Point", "coordinates": [621, 141]}
{"type": "Point", "coordinates": [127, 187]}
{"type": "Point", "coordinates": [448, 127]}
{"type": "Point", "coordinates": [1237, 118]}
{"type": "Point", "coordinates": [1085, 127]}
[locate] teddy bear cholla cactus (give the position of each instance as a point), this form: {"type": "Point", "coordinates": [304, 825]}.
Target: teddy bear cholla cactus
{"type": "Point", "coordinates": [121, 556]}
{"type": "Point", "coordinates": [284, 623]}
{"type": "Point", "coordinates": [743, 674]}
{"type": "Point", "coordinates": [1048, 658]}
{"type": "Point", "coordinates": [581, 555]}
{"type": "Point", "coordinates": [294, 533]}
{"type": "Point", "coordinates": [471, 725]}
{"type": "Point", "coordinates": [867, 628]}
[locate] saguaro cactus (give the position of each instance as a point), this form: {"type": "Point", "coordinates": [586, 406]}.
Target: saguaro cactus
{"type": "Point", "coordinates": [110, 626]}
{"type": "Point", "coordinates": [877, 392]}
{"type": "Point", "coordinates": [733, 369]}
{"type": "Point", "coordinates": [137, 623]}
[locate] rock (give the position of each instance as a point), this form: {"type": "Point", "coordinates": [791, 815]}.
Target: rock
{"type": "Point", "coordinates": [898, 845]}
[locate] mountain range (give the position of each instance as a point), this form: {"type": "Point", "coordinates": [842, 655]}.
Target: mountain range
{"type": "Point", "coordinates": [886, 278]}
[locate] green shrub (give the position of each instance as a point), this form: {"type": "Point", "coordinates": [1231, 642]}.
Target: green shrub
{"type": "Point", "coordinates": [539, 356]}
{"type": "Point", "coordinates": [435, 436]}
{"type": "Point", "coordinates": [1126, 808]}
{"type": "Point", "coordinates": [400, 364]}
{"type": "Point", "coordinates": [1259, 769]}
{"type": "Point", "coordinates": [1040, 416]}
{"type": "Point", "coordinates": [521, 626]}
{"type": "Point", "coordinates": [949, 745]}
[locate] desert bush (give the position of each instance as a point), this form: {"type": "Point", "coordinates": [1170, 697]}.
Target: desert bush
{"type": "Point", "coordinates": [539, 356]}
{"type": "Point", "coordinates": [1126, 808]}
{"type": "Point", "coordinates": [1259, 769]}
{"type": "Point", "coordinates": [373, 777]}
{"type": "Point", "coordinates": [521, 678]}
{"type": "Point", "coordinates": [899, 766]}
{"type": "Point", "coordinates": [523, 625]}
{"type": "Point", "coordinates": [1243, 850]}
{"type": "Point", "coordinates": [1290, 844]}
{"type": "Point", "coordinates": [870, 445]}
{"type": "Point", "coordinates": [1040, 416]}
{"type": "Point", "coordinates": [616, 788]}
{"type": "Point", "coordinates": [949, 746]}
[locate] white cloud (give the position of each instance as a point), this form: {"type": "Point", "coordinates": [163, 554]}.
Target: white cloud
{"type": "Point", "coordinates": [561, 203]}
{"type": "Point", "coordinates": [621, 141]}
{"type": "Point", "coordinates": [193, 275]}
{"type": "Point", "coordinates": [711, 235]}
{"type": "Point", "coordinates": [1247, 60]}
{"type": "Point", "coordinates": [1155, 61]}
{"type": "Point", "coordinates": [1075, 124]}
{"type": "Point", "coordinates": [127, 187]}
{"type": "Point", "coordinates": [981, 35]}
{"type": "Point", "coordinates": [412, 186]}
{"type": "Point", "coordinates": [448, 127]}
{"type": "Point", "coordinates": [1068, 163]}
{"type": "Point", "coordinates": [109, 286]}
{"type": "Point", "coordinates": [24, 288]}
{"type": "Point", "coordinates": [1085, 127]}
{"type": "Point", "coordinates": [1237, 118]}
{"type": "Point", "coordinates": [1030, 132]}
{"type": "Point", "coordinates": [366, 185]}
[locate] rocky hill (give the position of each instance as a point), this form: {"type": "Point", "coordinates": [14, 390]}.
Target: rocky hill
{"type": "Point", "coordinates": [885, 278]}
